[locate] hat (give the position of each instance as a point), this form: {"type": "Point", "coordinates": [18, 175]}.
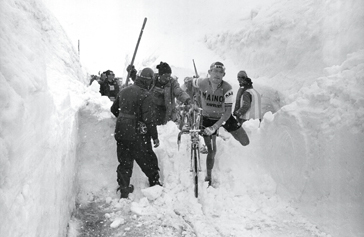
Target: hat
{"type": "Point", "coordinates": [109, 72]}
{"type": "Point", "coordinates": [242, 74]}
{"type": "Point", "coordinates": [146, 73]}
{"type": "Point", "coordinates": [163, 68]}
{"type": "Point", "coordinates": [217, 65]}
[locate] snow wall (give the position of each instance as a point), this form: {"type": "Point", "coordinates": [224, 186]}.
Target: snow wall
{"type": "Point", "coordinates": [38, 122]}
{"type": "Point", "coordinates": [312, 146]}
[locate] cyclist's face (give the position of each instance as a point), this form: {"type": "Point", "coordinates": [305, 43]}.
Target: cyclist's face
{"type": "Point", "coordinates": [216, 75]}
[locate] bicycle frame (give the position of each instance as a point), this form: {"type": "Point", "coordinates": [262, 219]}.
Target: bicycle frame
{"type": "Point", "coordinates": [192, 118]}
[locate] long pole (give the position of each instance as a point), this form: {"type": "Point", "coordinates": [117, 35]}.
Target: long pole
{"type": "Point", "coordinates": [136, 49]}
{"type": "Point", "coordinates": [194, 65]}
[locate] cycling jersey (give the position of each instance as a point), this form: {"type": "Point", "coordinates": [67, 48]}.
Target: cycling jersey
{"type": "Point", "coordinates": [213, 103]}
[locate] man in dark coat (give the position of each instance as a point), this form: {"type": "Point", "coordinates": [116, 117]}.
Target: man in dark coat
{"type": "Point", "coordinates": [166, 90]}
{"type": "Point", "coordinates": [135, 128]}
{"type": "Point", "coordinates": [110, 87]}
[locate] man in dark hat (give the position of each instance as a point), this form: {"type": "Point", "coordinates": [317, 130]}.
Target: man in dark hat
{"type": "Point", "coordinates": [166, 90]}
{"type": "Point", "coordinates": [135, 128]}
{"type": "Point", "coordinates": [248, 100]}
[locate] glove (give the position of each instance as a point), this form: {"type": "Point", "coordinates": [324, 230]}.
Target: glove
{"type": "Point", "coordinates": [156, 143]}
{"type": "Point", "coordinates": [132, 71]}
{"type": "Point", "coordinates": [130, 68]}
{"type": "Point", "coordinates": [210, 130]}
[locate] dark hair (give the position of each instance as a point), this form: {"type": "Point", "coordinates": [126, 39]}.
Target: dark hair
{"type": "Point", "coordinates": [163, 68]}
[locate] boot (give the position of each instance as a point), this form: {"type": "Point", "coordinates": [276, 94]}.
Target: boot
{"type": "Point", "coordinates": [124, 192]}
{"type": "Point", "coordinates": [154, 180]}
{"type": "Point", "coordinates": [241, 136]}
{"type": "Point", "coordinates": [208, 177]}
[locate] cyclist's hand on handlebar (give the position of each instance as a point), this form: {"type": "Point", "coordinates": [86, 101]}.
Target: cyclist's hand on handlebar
{"type": "Point", "coordinates": [156, 143]}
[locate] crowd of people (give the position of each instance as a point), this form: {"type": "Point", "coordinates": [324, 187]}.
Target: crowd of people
{"type": "Point", "coordinates": [151, 100]}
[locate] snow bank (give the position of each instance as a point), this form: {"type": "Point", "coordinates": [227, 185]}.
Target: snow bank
{"type": "Point", "coordinates": [312, 54]}
{"type": "Point", "coordinates": [38, 121]}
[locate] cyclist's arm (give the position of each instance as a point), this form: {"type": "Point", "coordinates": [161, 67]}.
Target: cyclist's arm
{"type": "Point", "coordinates": [228, 105]}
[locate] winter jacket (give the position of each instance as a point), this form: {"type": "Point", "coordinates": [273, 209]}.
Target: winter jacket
{"type": "Point", "coordinates": [110, 89]}
{"type": "Point", "coordinates": [134, 105]}
{"type": "Point", "coordinates": [248, 104]}
{"type": "Point", "coordinates": [164, 98]}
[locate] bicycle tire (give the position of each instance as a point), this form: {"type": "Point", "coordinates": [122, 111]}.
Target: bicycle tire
{"type": "Point", "coordinates": [195, 168]}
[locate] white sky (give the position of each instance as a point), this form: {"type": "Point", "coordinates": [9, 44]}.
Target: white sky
{"type": "Point", "coordinates": [302, 174]}
{"type": "Point", "coordinates": [109, 30]}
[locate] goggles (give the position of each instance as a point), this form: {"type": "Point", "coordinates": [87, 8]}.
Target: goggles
{"type": "Point", "coordinates": [139, 74]}
{"type": "Point", "coordinates": [217, 65]}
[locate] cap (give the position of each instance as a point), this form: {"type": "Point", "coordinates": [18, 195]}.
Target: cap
{"type": "Point", "coordinates": [242, 74]}
{"type": "Point", "coordinates": [163, 68]}
{"type": "Point", "coordinates": [217, 65]}
{"type": "Point", "coordinates": [146, 73]}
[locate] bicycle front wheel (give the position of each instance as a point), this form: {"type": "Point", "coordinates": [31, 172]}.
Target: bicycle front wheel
{"type": "Point", "coordinates": [195, 168]}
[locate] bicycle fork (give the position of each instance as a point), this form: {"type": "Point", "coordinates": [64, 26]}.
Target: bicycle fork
{"type": "Point", "coordinates": [195, 155]}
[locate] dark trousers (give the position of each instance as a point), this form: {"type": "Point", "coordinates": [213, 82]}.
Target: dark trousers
{"type": "Point", "coordinates": [142, 152]}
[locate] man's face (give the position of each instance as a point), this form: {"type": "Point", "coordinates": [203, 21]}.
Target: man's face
{"type": "Point", "coordinates": [216, 75]}
{"type": "Point", "coordinates": [241, 80]}
{"type": "Point", "coordinates": [111, 76]}
{"type": "Point", "coordinates": [164, 79]}
{"type": "Point", "coordinates": [103, 76]}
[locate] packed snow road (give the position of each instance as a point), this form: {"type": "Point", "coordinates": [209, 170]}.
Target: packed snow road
{"type": "Point", "coordinates": [242, 201]}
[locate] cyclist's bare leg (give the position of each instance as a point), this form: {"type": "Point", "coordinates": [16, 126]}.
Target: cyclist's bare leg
{"type": "Point", "coordinates": [210, 142]}
{"type": "Point", "coordinates": [241, 136]}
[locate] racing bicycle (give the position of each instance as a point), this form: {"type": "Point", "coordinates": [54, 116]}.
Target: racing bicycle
{"type": "Point", "coordinates": [190, 123]}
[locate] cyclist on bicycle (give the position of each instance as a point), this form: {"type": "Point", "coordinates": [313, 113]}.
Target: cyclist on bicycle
{"type": "Point", "coordinates": [216, 98]}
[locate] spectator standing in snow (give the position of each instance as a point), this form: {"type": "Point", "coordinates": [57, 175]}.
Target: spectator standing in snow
{"type": "Point", "coordinates": [135, 128]}
{"type": "Point", "coordinates": [248, 100]}
{"type": "Point", "coordinates": [216, 98]}
{"type": "Point", "coordinates": [110, 87]}
{"type": "Point", "coordinates": [165, 91]}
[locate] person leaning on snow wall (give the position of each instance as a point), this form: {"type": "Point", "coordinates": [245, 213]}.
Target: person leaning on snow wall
{"type": "Point", "coordinates": [134, 130]}
{"type": "Point", "coordinates": [110, 86]}
{"type": "Point", "coordinates": [216, 98]}
{"type": "Point", "coordinates": [248, 100]}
